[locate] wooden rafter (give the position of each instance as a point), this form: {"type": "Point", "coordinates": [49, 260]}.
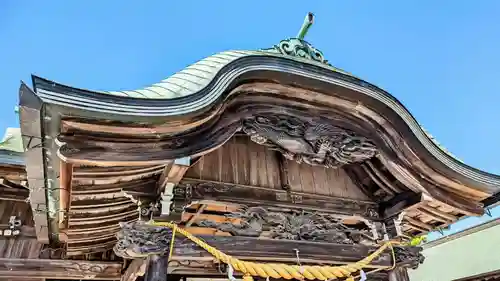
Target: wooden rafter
{"type": "Point", "coordinates": [13, 193]}
{"type": "Point", "coordinates": [437, 214]}
{"type": "Point", "coordinates": [65, 185]}
{"type": "Point", "coordinates": [419, 224]}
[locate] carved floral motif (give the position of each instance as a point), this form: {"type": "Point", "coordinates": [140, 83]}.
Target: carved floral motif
{"type": "Point", "coordinates": [314, 143]}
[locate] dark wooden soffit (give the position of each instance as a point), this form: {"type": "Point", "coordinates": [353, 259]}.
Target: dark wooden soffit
{"type": "Point", "coordinates": [105, 130]}
{"type": "Point", "coordinates": [353, 97]}
{"type": "Point", "coordinates": [148, 140]}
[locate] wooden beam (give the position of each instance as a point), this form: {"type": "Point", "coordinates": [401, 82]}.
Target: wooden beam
{"type": "Point", "coordinates": [65, 181]}
{"type": "Point", "coordinates": [399, 274]}
{"type": "Point", "coordinates": [419, 223]}
{"type": "Point", "coordinates": [383, 178]}
{"type": "Point", "coordinates": [192, 190]}
{"type": "Point", "coordinates": [376, 180]}
{"type": "Point", "coordinates": [417, 228]}
{"type": "Point", "coordinates": [194, 216]}
{"type": "Point", "coordinates": [447, 217]}
{"type": "Point", "coordinates": [283, 168]}
{"type": "Point", "coordinates": [401, 202]}
{"type": "Point", "coordinates": [59, 269]}
{"type": "Point", "coordinates": [278, 250]}
{"type": "Point", "coordinates": [156, 268]}
{"type": "Point", "coordinates": [135, 269]}
{"type": "Point", "coordinates": [455, 201]}
{"type": "Point", "coordinates": [13, 194]}
{"type": "Point", "coordinates": [171, 176]}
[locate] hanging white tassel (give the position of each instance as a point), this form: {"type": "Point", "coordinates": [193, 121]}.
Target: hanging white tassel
{"type": "Point", "coordinates": [363, 275]}
{"type": "Point", "coordinates": [230, 273]}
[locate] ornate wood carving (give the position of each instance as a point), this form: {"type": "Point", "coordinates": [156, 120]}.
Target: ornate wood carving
{"type": "Point", "coordinates": [410, 257]}
{"type": "Point", "coordinates": [192, 190]}
{"type": "Point", "coordinates": [137, 240]}
{"type": "Point", "coordinates": [312, 141]}
{"type": "Point", "coordinates": [298, 225]}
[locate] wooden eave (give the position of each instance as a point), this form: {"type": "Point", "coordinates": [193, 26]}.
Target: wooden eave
{"type": "Point", "coordinates": [97, 132]}
{"type": "Point", "coordinates": [23, 257]}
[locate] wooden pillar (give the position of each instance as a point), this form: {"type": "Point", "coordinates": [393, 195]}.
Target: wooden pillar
{"type": "Point", "coordinates": [399, 274]}
{"type": "Point", "coordinates": [156, 268]}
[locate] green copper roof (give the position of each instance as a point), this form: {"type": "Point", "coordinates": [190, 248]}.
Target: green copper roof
{"type": "Point", "coordinates": [444, 149]}
{"type": "Point", "coordinates": [200, 74]}
{"type": "Point", "coordinates": [12, 140]}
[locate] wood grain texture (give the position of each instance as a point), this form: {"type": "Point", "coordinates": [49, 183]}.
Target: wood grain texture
{"type": "Point", "coordinates": [323, 181]}
{"type": "Point", "coordinates": [239, 161]}
{"type": "Point", "coordinates": [197, 191]}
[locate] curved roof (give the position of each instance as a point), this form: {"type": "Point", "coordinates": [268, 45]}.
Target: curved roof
{"type": "Point", "coordinates": [201, 84]}
{"type": "Point", "coordinates": [201, 107]}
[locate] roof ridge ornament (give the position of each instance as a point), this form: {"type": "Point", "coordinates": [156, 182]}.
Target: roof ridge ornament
{"type": "Point", "coordinates": [298, 47]}
{"type": "Point", "coordinates": [308, 22]}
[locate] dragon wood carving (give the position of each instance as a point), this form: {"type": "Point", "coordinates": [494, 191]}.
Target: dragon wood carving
{"type": "Point", "coordinates": [305, 226]}
{"type": "Point", "coordinates": [139, 240]}
{"type": "Point", "coordinates": [311, 142]}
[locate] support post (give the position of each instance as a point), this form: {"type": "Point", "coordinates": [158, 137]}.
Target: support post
{"type": "Point", "coordinates": [399, 274]}
{"type": "Point", "coordinates": [156, 268]}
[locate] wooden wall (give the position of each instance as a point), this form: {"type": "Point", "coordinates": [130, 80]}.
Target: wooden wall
{"type": "Point", "coordinates": [241, 161]}
{"type": "Point", "coordinates": [25, 245]}
{"type": "Point", "coordinates": [323, 181]}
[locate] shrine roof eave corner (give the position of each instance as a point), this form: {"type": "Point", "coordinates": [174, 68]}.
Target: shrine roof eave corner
{"type": "Point", "coordinates": [206, 85]}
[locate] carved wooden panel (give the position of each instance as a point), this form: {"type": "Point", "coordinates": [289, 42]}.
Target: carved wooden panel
{"type": "Point", "coordinates": [323, 181]}
{"type": "Point", "coordinates": [239, 161]}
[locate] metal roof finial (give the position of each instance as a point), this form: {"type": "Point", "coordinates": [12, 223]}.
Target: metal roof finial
{"type": "Point", "coordinates": [308, 21]}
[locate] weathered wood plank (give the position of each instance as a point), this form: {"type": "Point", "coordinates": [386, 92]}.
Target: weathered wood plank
{"type": "Point", "coordinates": [260, 196]}
{"type": "Point", "coordinates": [419, 223]}
{"type": "Point", "coordinates": [322, 181]}
{"type": "Point", "coordinates": [401, 202]}
{"type": "Point", "coordinates": [135, 269]}
{"type": "Point", "coordinates": [72, 269]}
{"type": "Point", "coordinates": [272, 250]}
{"type": "Point", "coordinates": [399, 274]}
{"type": "Point", "coordinates": [156, 268]}
{"type": "Point", "coordinates": [437, 213]}
{"type": "Point", "coordinates": [239, 161]}
{"type": "Point", "coordinates": [65, 184]}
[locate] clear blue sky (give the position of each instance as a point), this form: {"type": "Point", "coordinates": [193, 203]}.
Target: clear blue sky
{"type": "Point", "coordinates": [440, 58]}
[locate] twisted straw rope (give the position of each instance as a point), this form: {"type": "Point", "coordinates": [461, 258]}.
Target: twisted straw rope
{"type": "Point", "coordinates": [281, 270]}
